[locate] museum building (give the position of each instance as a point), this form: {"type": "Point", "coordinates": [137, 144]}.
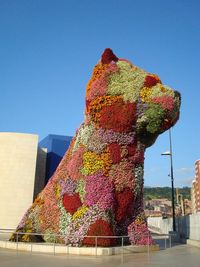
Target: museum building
{"type": "Point", "coordinates": [25, 168]}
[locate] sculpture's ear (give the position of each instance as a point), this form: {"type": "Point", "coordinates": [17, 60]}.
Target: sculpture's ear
{"type": "Point", "coordinates": [108, 56]}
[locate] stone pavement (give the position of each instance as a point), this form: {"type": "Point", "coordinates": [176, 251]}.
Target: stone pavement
{"type": "Point", "coordinates": [177, 256]}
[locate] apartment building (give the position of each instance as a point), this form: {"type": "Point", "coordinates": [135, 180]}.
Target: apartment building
{"type": "Point", "coordinates": [195, 190]}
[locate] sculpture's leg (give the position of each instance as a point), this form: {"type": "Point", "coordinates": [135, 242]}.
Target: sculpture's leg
{"type": "Point", "coordinates": [138, 231]}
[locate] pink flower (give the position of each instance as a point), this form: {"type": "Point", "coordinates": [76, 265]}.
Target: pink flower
{"type": "Point", "coordinates": [68, 187]}
{"type": "Point", "coordinates": [122, 175]}
{"type": "Point", "coordinates": [166, 102]}
{"type": "Point", "coordinates": [99, 190]}
{"type": "Point", "coordinates": [75, 164]}
{"type": "Point", "coordinates": [100, 85]}
{"type": "Point", "coordinates": [139, 234]}
{"type": "Point", "coordinates": [98, 88]}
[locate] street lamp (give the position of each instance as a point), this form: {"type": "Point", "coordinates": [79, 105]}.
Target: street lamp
{"type": "Point", "coordinates": [169, 153]}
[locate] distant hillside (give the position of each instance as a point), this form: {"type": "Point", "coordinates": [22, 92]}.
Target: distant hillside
{"type": "Point", "coordinates": [164, 192]}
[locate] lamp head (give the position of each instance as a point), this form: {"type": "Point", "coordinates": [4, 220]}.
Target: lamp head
{"type": "Point", "coordinates": [167, 153]}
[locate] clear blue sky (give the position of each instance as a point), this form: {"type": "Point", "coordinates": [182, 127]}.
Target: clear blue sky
{"type": "Point", "coordinates": [49, 47]}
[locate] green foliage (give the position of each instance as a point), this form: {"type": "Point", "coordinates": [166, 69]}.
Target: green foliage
{"type": "Point", "coordinates": [164, 192]}
{"type": "Point", "coordinates": [154, 115]}
{"type": "Point", "coordinates": [49, 236]}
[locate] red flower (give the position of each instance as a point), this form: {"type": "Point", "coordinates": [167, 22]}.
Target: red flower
{"type": "Point", "coordinates": [151, 80]}
{"type": "Point", "coordinates": [108, 56]}
{"type": "Point", "coordinates": [166, 102]}
{"type": "Point", "coordinates": [87, 104]}
{"type": "Point", "coordinates": [71, 203]}
{"type": "Point", "coordinates": [114, 149]}
{"type": "Point", "coordinates": [131, 150]}
{"type": "Point", "coordinates": [100, 228]}
{"type": "Point", "coordinates": [118, 117]}
{"type": "Point", "coordinates": [124, 199]}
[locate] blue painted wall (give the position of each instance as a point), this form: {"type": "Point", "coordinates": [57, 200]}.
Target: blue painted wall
{"type": "Point", "coordinates": [56, 146]}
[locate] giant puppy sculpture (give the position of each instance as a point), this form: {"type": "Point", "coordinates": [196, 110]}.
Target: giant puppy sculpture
{"type": "Point", "coordinates": [97, 189]}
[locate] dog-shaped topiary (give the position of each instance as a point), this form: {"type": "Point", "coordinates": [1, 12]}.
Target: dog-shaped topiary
{"type": "Point", "coordinates": [97, 189]}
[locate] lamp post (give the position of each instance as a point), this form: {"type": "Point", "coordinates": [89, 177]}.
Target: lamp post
{"type": "Point", "coordinates": [169, 153]}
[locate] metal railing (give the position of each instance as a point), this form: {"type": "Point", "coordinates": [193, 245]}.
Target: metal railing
{"type": "Point", "coordinates": [165, 239]}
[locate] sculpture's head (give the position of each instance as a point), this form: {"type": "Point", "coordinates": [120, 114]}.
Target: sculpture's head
{"type": "Point", "coordinates": [124, 98]}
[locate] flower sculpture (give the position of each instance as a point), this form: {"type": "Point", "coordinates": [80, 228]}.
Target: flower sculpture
{"type": "Point", "coordinates": [97, 189]}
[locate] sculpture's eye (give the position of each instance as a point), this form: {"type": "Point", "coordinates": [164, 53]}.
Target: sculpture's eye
{"type": "Point", "coordinates": [151, 80]}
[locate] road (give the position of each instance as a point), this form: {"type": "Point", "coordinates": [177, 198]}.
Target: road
{"type": "Point", "coordinates": [177, 256]}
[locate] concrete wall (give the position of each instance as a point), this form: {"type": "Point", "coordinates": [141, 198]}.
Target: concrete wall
{"type": "Point", "coordinates": [160, 225]}
{"type": "Point", "coordinates": [187, 226]}
{"type": "Point", "coordinates": [18, 155]}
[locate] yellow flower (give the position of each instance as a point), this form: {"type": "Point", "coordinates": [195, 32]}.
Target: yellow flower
{"type": "Point", "coordinates": [145, 94]}
{"type": "Point", "coordinates": [93, 162]}
{"type": "Point", "coordinates": [138, 221]}
{"type": "Point", "coordinates": [58, 190]}
{"type": "Point", "coordinates": [163, 89]}
{"type": "Point", "coordinates": [79, 213]}
{"type": "Point", "coordinates": [105, 157]}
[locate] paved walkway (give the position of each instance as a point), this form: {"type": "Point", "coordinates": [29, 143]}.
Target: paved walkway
{"type": "Point", "coordinates": [177, 256]}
